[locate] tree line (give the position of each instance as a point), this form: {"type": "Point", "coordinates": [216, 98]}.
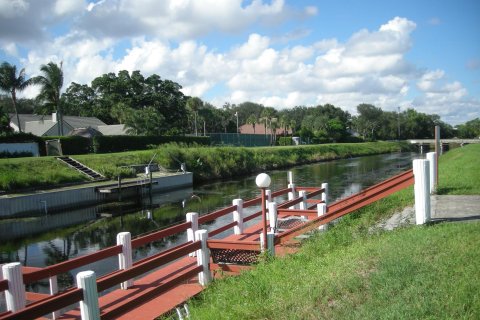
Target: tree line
{"type": "Point", "coordinates": [155, 106]}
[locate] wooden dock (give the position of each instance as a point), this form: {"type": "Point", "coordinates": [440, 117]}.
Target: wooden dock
{"type": "Point", "coordinates": [167, 279]}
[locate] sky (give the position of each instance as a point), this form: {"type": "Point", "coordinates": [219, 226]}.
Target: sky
{"type": "Point", "coordinates": [420, 54]}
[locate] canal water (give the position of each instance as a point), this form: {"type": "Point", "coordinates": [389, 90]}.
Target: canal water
{"type": "Point", "coordinates": [49, 239]}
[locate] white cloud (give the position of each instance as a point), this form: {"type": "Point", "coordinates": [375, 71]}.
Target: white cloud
{"type": "Point", "coordinates": [13, 8]}
{"type": "Point", "coordinates": [65, 7]}
{"type": "Point", "coordinates": [369, 67]}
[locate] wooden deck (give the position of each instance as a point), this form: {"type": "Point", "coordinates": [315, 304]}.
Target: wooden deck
{"type": "Point", "coordinates": [158, 305]}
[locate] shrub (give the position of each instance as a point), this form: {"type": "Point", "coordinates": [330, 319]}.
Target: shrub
{"type": "Point", "coordinates": [107, 144]}
{"type": "Point", "coordinates": [285, 141]}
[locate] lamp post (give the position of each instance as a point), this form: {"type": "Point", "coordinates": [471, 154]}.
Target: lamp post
{"type": "Point", "coordinates": [236, 115]}
{"type": "Point", "coordinates": [263, 181]}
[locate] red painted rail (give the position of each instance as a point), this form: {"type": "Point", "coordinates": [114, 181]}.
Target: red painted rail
{"type": "Point", "coordinates": [352, 203]}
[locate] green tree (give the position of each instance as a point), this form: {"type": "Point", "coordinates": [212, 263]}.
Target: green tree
{"type": "Point", "coordinates": [78, 100]}
{"type": "Point", "coordinates": [4, 123]}
{"type": "Point", "coordinates": [252, 119]}
{"type": "Point", "coordinates": [470, 129]}
{"type": "Point", "coordinates": [10, 82]}
{"type": "Point", "coordinates": [368, 120]}
{"type": "Point", "coordinates": [146, 121]}
{"type": "Point", "coordinates": [194, 104]}
{"type": "Point", "coordinates": [51, 83]}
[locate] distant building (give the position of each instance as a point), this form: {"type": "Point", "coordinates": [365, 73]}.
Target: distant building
{"type": "Point", "coordinates": [48, 125]}
{"type": "Point", "coordinates": [260, 129]}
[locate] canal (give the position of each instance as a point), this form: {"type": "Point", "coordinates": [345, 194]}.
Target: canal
{"type": "Point", "coordinates": [49, 239]}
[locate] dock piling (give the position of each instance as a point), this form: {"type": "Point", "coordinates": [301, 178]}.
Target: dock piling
{"type": "Point", "coordinates": [15, 294]}
{"type": "Point", "coordinates": [89, 309]}
{"type": "Point", "coordinates": [203, 258]}
{"type": "Point", "coordinates": [125, 258]}
{"type": "Point", "coordinates": [238, 216]}
{"type": "Point", "coordinates": [193, 218]}
{"type": "Point", "coordinates": [421, 172]}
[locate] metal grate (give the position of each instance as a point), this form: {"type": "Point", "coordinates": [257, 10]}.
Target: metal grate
{"type": "Point", "coordinates": [242, 257]}
{"type": "Point", "coordinates": [289, 223]}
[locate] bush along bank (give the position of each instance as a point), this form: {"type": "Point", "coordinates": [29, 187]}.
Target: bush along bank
{"type": "Point", "coordinates": [225, 162]}
{"type": "Point", "coordinates": [205, 162]}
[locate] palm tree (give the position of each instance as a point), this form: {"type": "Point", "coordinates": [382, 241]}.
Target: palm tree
{"type": "Point", "coordinates": [51, 82]}
{"type": "Point", "coordinates": [11, 82]}
{"type": "Point", "coordinates": [194, 104]}
{"type": "Point", "coordinates": [252, 119]}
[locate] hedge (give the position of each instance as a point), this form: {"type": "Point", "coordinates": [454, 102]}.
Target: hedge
{"type": "Point", "coordinates": [107, 144]}
{"type": "Point", "coordinates": [285, 141]}
{"type": "Point", "coordinates": [72, 144]}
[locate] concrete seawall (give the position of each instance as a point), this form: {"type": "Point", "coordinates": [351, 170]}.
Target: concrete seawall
{"type": "Point", "coordinates": [79, 196]}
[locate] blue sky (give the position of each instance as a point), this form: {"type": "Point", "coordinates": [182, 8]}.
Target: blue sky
{"type": "Point", "coordinates": [409, 54]}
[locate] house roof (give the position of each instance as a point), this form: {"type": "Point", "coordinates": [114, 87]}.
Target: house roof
{"type": "Point", "coordinates": [40, 124]}
{"type": "Point", "coordinates": [76, 122]}
{"type": "Point", "coordinates": [260, 129]}
{"type": "Point", "coordinates": [88, 132]}
{"type": "Point", "coordinates": [113, 130]}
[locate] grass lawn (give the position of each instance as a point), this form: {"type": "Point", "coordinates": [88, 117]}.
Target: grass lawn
{"type": "Point", "coordinates": [419, 272]}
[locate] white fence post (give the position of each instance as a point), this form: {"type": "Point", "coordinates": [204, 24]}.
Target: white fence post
{"type": "Point", "coordinates": [238, 216]}
{"type": "Point", "coordinates": [290, 177]}
{"type": "Point", "coordinates": [15, 294]}
{"type": "Point", "coordinates": [125, 258]}
{"type": "Point", "coordinates": [291, 197]}
{"type": "Point", "coordinates": [303, 204]}
{"type": "Point", "coordinates": [325, 193]}
{"type": "Point", "coordinates": [321, 210]}
{"type": "Point", "coordinates": [421, 172]}
{"type": "Point", "coordinates": [53, 291]}
{"type": "Point", "coordinates": [272, 212]}
{"type": "Point", "coordinates": [87, 281]}
{"type": "Point", "coordinates": [268, 196]}
{"type": "Point", "coordinates": [432, 157]}
{"type": "Point", "coordinates": [203, 258]}
{"type": "Point", "coordinates": [193, 218]}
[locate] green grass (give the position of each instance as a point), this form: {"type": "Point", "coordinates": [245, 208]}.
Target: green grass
{"type": "Point", "coordinates": [205, 162]}
{"type": "Point", "coordinates": [35, 172]}
{"type": "Point", "coordinates": [454, 164]}
{"type": "Point", "coordinates": [350, 272]}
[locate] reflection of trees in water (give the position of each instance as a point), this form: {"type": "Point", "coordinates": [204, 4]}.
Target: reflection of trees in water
{"type": "Point", "coordinates": [54, 255]}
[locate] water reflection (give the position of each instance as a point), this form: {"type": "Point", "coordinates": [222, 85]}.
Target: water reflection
{"type": "Point", "coordinates": [88, 230]}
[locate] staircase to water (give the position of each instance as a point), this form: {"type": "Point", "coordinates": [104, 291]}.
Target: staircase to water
{"type": "Point", "coordinates": [92, 174]}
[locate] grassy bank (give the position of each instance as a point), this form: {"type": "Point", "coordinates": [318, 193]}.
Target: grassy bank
{"type": "Point", "coordinates": [350, 272]}
{"type": "Point", "coordinates": [205, 162]}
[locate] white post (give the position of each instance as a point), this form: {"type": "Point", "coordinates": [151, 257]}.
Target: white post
{"type": "Point", "coordinates": [272, 212]}
{"type": "Point", "coordinates": [203, 258]}
{"type": "Point", "coordinates": [268, 196]}
{"type": "Point", "coordinates": [321, 210]}
{"type": "Point", "coordinates": [432, 158]}
{"type": "Point", "coordinates": [291, 197]}
{"type": "Point", "coordinates": [290, 177]}
{"type": "Point", "coordinates": [271, 243]}
{"type": "Point", "coordinates": [421, 172]}
{"type": "Point", "coordinates": [15, 294]}
{"type": "Point", "coordinates": [303, 204]}
{"type": "Point", "coordinates": [125, 258]}
{"type": "Point", "coordinates": [238, 216]}
{"type": "Point", "coordinates": [325, 193]}
{"type": "Point", "coordinates": [193, 218]}
{"type": "Point", "coordinates": [89, 309]}
{"type": "Point", "coordinates": [53, 291]}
